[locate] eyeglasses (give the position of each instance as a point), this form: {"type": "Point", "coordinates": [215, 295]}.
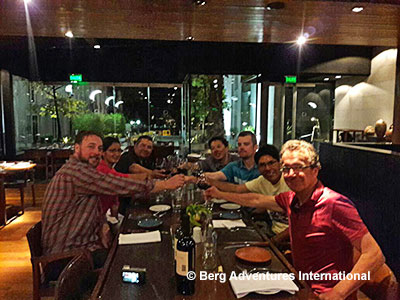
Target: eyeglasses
{"type": "Point", "coordinates": [268, 164]}
{"type": "Point", "coordinates": [296, 169]}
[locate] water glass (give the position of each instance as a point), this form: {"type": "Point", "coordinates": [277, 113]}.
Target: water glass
{"type": "Point", "coordinates": [209, 256]}
{"type": "Point", "coordinates": [177, 199]}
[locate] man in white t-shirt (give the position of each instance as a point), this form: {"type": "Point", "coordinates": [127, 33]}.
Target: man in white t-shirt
{"type": "Point", "coordinates": [270, 182]}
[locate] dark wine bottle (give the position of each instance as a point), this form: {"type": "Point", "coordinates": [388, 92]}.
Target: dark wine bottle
{"type": "Point", "coordinates": [178, 234]}
{"type": "Point", "coordinates": [185, 259]}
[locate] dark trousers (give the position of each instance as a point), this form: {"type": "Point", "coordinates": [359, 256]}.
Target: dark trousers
{"type": "Point", "coordinates": [54, 269]}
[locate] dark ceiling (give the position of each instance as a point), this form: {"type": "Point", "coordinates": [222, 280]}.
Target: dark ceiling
{"type": "Point", "coordinates": [145, 41]}
{"type": "Point", "coordinates": [161, 61]}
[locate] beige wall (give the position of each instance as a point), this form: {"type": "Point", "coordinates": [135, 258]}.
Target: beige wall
{"type": "Point", "coordinates": [361, 101]}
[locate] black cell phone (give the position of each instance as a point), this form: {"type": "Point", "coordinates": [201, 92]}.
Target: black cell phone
{"type": "Point", "coordinates": [133, 275]}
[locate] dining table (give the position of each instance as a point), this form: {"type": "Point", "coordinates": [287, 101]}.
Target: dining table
{"type": "Point", "coordinates": [7, 169]}
{"type": "Point", "coordinates": [158, 257]}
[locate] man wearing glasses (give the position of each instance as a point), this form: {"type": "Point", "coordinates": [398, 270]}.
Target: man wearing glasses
{"type": "Point", "coordinates": [270, 182]}
{"type": "Point", "coordinates": [324, 225]}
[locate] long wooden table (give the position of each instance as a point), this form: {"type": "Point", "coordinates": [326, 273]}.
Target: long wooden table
{"type": "Point", "coordinates": [157, 258]}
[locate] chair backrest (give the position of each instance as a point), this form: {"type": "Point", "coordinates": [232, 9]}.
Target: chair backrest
{"type": "Point", "coordinates": [39, 156]}
{"type": "Point", "coordinates": [77, 279]}
{"type": "Point", "coordinates": [34, 236]}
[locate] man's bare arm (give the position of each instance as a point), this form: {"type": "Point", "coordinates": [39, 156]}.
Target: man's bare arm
{"type": "Point", "coordinates": [371, 259]}
{"type": "Point", "coordinates": [215, 176]}
{"type": "Point", "coordinates": [228, 187]}
{"type": "Point", "coordinates": [247, 199]}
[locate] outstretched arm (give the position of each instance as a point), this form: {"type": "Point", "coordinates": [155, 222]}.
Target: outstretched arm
{"type": "Point", "coordinates": [228, 187]}
{"type": "Point", "coordinates": [247, 199]}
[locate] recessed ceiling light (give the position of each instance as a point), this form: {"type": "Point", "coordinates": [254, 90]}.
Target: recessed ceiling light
{"type": "Point", "coordinates": [275, 5]}
{"type": "Point", "coordinates": [326, 79]}
{"type": "Point", "coordinates": [69, 34]}
{"type": "Point", "coordinates": [338, 76]}
{"type": "Point", "coordinates": [189, 38]}
{"type": "Point", "coordinates": [357, 9]}
{"type": "Point", "coordinates": [97, 46]}
{"type": "Point", "coordinates": [200, 2]}
{"type": "Point", "coordinates": [301, 40]}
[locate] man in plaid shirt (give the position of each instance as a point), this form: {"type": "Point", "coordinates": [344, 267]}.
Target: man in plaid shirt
{"type": "Point", "coordinates": [70, 215]}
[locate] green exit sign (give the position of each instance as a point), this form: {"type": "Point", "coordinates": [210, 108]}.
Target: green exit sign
{"type": "Point", "coordinates": [290, 79]}
{"type": "Point", "coordinates": [75, 77]}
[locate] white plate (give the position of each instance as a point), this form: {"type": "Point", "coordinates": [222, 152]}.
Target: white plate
{"type": "Point", "coordinates": [230, 206]}
{"type": "Point", "coordinates": [218, 201]}
{"type": "Point", "coordinates": [160, 207]}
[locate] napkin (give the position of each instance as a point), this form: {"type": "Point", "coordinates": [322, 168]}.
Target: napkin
{"type": "Point", "coordinates": [262, 283]}
{"type": "Point", "coordinates": [139, 238]}
{"type": "Point", "coordinates": [228, 223]}
{"type": "Point", "coordinates": [113, 220]}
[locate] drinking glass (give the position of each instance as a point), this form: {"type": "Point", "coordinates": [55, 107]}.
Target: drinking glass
{"type": "Point", "coordinates": [177, 199]}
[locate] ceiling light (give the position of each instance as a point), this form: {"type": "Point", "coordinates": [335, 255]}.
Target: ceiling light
{"type": "Point", "coordinates": [326, 79]}
{"type": "Point", "coordinates": [338, 76]}
{"type": "Point", "coordinates": [301, 40]}
{"type": "Point", "coordinates": [275, 5]}
{"type": "Point", "coordinates": [200, 2]}
{"type": "Point", "coordinates": [357, 9]}
{"type": "Point", "coordinates": [96, 46]}
{"type": "Point", "coordinates": [69, 34]}
{"type": "Point", "coordinates": [190, 38]}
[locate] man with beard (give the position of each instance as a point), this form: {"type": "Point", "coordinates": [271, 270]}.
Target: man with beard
{"type": "Point", "coordinates": [324, 226]}
{"type": "Point", "coordinates": [244, 169]}
{"type": "Point", "coordinates": [71, 212]}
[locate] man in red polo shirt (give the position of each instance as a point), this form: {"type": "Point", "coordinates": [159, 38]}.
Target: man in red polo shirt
{"type": "Point", "coordinates": [324, 225]}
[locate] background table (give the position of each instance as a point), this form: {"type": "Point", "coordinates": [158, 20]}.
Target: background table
{"type": "Point", "coordinates": [7, 168]}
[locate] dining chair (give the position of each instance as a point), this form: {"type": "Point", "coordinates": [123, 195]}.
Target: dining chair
{"type": "Point", "coordinates": [21, 180]}
{"type": "Point", "coordinates": [382, 285]}
{"type": "Point", "coordinates": [77, 280]}
{"type": "Point", "coordinates": [41, 157]}
{"type": "Point", "coordinates": [58, 159]}
{"type": "Point", "coordinates": [41, 286]}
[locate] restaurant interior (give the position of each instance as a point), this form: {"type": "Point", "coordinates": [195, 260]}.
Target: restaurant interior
{"type": "Point", "coordinates": [182, 72]}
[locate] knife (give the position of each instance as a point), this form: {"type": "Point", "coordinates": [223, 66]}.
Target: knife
{"type": "Point", "coordinates": [245, 244]}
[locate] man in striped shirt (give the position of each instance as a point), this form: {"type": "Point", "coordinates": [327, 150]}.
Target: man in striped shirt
{"type": "Point", "coordinates": [70, 215]}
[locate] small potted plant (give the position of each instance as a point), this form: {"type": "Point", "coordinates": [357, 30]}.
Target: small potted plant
{"type": "Point", "coordinates": [198, 214]}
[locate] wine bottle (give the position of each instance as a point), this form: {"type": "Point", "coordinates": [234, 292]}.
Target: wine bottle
{"type": "Point", "coordinates": [178, 234]}
{"type": "Point", "coordinates": [185, 259]}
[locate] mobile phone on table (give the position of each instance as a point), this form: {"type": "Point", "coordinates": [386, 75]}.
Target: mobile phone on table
{"type": "Point", "coordinates": [133, 275]}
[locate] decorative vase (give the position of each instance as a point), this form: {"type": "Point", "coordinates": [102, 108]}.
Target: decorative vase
{"type": "Point", "coordinates": [388, 135]}
{"type": "Point", "coordinates": [380, 130]}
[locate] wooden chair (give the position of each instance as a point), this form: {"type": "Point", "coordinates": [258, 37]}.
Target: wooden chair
{"type": "Point", "coordinates": [41, 157]}
{"type": "Point", "coordinates": [382, 285]}
{"type": "Point", "coordinates": [21, 180]}
{"type": "Point", "coordinates": [77, 280]}
{"type": "Point", "coordinates": [41, 287]}
{"type": "Point", "coordinates": [58, 158]}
